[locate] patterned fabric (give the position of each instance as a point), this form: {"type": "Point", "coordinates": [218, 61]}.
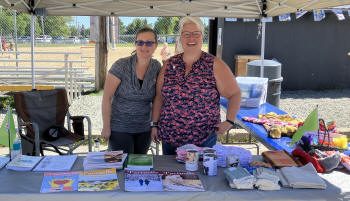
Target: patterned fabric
{"type": "Point", "coordinates": [131, 106]}
{"type": "Point", "coordinates": [190, 110]}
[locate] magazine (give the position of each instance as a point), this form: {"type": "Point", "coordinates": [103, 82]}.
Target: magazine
{"type": "Point", "coordinates": [23, 163]}
{"type": "Point", "coordinates": [98, 180]}
{"type": "Point", "coordinates": [103, 160]}
{"type": "Point", "coordinates": [56, 163]}
{"type": "Point", "coordinates": [140, 162]}
{"type": "Point", "coordinates": [181, 181]}
{"type": "Point", "coordinates": [3, 161]}
{"type": "Point", "coordinates": [59, 181]}
{"type": "Point", "coordinates": [142, 181]}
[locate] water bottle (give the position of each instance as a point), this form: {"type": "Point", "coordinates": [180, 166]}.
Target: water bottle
{"type": "Point", "coordinates": [96, 145]}
{"type": "Point", "coordinates": [16, 148]}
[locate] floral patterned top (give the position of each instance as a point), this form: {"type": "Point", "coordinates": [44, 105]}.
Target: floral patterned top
{"type": "Point", "coordinates": [191, 109]}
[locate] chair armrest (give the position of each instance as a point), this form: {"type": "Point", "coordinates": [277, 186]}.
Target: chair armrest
{"type": "Point", "coordinates": [36, 135]}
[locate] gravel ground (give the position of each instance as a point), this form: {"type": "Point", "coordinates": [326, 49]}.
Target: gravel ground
{"type": "Point", "coordinates": [333, 105]}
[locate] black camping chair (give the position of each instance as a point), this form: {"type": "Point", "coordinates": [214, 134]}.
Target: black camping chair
{"type": "Point", "coordinates": [38, 112]}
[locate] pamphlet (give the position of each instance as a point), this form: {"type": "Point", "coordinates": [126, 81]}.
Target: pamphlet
{"type": "Point", "coordinates": [3, 161]}
{"type": "Point", "coordinates": [23, 163]}
{"type": "Point", "coordinates": [181, 181]}
{"type": "Point", "coordinates": [98, 180]}
{"type": "Point", "coordinates": [59, 182]}
{"type": "Point", "coordinates": [142, 181]}
{"type": "Point", "coordinates": [56, 163]}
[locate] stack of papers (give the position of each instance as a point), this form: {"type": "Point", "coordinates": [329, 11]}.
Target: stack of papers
{"type": "Point", "coordinates": [266, 179]}
{"type": "Point", "coordinates": [102, 160]}
{"type": "Point", "coordinates": [239, 178]}
{"type": "Point", "coordinates": [244, 155]}
{"type": "Point", "coordinates": [301, 177]}
{"type": "Point", "coordinates": [140, 162]}
{"type": "Point", "coordinates": [23, 163]}
{"type": "Point", "coordinates": [56, 163]}
{"type": "Point", "coordinates": [3, 161]}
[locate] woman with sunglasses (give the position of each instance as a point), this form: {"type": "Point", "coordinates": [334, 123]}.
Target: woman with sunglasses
{"type": "Point", "coordinates": [128, 94]}
{"type": "Point", "coordinates": [186, 108]}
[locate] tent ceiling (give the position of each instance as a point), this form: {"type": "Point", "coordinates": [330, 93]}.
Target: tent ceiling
{"type": "Point", "coordinates": [207, 8]}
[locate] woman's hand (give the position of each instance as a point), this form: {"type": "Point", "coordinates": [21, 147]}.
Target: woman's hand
{"type": "Point", "coordinates": [106, 133]}
{"type": "Point", "coordinates": [223, 127]}
{"type": "Point", "coordinates": [154, 135]}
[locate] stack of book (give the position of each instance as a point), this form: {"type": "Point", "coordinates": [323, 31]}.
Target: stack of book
{"type": "Point", "coordinates": [140, 162]}
{"type": "Point", "coordinates": [102, 160]}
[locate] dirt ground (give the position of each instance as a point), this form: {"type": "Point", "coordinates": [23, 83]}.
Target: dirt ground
{"type": "Point", "coordinates": [86, 53]}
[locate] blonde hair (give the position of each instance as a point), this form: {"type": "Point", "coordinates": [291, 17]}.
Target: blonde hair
{"type": "Point", "coordinates": [195, 20]}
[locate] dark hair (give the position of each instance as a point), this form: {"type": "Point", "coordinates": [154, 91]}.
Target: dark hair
{"type": "Point", "coordinates": [145, 30]}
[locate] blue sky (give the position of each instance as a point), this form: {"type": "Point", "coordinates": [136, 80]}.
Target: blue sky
{"type": "Point", "coordinates": [85, 20]}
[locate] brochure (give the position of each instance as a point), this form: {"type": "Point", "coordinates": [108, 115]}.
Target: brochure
{"type": "Point", "coordinates": [181, 181]}
{"type": "Point", "coordinates": [23, 163]}
{"type": "Point", "coordinates": [59, 181]}
{"type": "Point", "coordinates": [3, 161]}
{"type": "Point", "coordinates": [98, 180]}
{"type": "Point", "coordinates": [142, 181]}
{"type": "Point", "coordinates": [56, 163]}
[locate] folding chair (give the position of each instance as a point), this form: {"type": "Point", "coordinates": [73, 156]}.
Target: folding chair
{"type": "Point", "coordinates": [39, 110]}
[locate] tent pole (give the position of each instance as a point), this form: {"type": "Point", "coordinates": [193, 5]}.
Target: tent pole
{"type": "Point", "coordinates": [32, 33]}
{"type": "Point", "coordinates": [262, 51]}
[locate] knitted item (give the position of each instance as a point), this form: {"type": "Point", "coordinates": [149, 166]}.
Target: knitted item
{"type": "Point", "coordinates": [330, 162]}
{"type": "Point", "coordinates": [305, 158]}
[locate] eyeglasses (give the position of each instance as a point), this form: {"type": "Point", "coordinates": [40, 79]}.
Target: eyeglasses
{"type": "Point", "coordinates": [147, 43]}
{"type": "Point", "coordinates": [195, 34]}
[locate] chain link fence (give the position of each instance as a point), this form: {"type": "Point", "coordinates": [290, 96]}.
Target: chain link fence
{"type": "Point", "coordinates": [71, 38]}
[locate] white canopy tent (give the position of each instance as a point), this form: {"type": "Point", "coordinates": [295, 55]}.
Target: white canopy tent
{"type": "Point", "coordinates": [202, 8]}
{"type": "Point", "coordinates": [258, 9]}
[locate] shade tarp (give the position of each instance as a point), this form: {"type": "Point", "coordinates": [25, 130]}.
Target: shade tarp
{"type": "Point", "coordinates": [202, 8]}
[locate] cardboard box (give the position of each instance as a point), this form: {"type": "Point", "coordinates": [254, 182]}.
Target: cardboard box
{"type": "Point", "coordinates": [241, 63]}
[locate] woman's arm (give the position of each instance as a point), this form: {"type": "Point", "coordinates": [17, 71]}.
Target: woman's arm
{"type": "Point", "coordinates": [111, 84]}
{"type": "Point", "coordinates": [227, 86]}
{"type": "Point", "coordinates": [157, 103]}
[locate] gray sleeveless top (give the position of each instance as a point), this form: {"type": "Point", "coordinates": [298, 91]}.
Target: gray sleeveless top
{"type": "Point", "coordinates": [131, 105]}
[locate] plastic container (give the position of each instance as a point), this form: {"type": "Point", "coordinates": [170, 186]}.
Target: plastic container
{"type": "Point", "coordinates": [96, 145]}
{"type": "Point", "coordinates": [16, 148]}
{"type": "Point", "coordinates": [272, 71]}
{"type": "Point", "coordinates": [253, 91]}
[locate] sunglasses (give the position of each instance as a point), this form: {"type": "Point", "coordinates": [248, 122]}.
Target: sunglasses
{"type": "Point", "coordinates": [147, 43]}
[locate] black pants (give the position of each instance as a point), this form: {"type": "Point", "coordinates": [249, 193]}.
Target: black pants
{"type": "Point", "coordinates": [133, 143]}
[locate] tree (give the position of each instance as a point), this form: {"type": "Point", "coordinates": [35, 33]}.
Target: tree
{"type": "Point", "coordinates": [57, 25]}
{"type": "Point", "coordinates": [166, 25]}
{"type": "Point", "coordinates": [136, 25]}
